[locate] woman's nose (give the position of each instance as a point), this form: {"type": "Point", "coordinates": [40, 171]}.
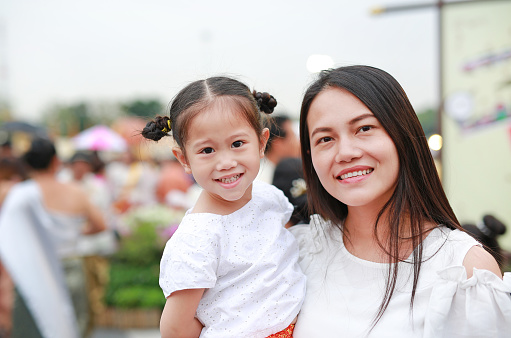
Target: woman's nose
{"type": "Point", "coordinates": [347, 150]}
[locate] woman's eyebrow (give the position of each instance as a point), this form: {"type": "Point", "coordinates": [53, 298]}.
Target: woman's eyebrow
{"type": "Point", "coordinates": [361, 117]}
{"type": "Point", "coordinates": [320, 130]}
{"type": "Point", "coordinates": [351, 122]}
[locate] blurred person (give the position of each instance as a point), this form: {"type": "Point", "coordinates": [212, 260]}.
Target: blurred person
{"type": "Point", "coordinates": [12, 171]}
{"type": "Point", "coordinates": [40, 223]}
{"type": "Point", "coordinates": [81, 165]}
{"type": "Point", "coordinates": [244, 281]}
{"type": "Point", "coordinates": [88, 171]}
{"type": "Point", "coordinates": [288, 177]}
{"type": "Point", "coordinates": [6, 149]}
{"type": "Point", "coordinates": [133, 182]}
{"type": "Point", "coordinates": [173, 183]}
{"type": "Point", "coordinates": [282, 143]}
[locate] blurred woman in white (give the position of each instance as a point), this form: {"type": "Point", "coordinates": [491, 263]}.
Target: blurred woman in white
{"type": "Point", "coordinates": [40, 223]}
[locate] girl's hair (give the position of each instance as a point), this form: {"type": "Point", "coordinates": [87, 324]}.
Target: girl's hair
{"type": "Point", "coordinates": [40, 154]}
{"type": "Point", "coordinates": [202, 94]}
{"type": "Point", "coordinates": [418, 197]}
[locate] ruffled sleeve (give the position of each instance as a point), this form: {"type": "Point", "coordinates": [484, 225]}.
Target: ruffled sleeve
{"type": "Point", "coordinates": [476, 307]}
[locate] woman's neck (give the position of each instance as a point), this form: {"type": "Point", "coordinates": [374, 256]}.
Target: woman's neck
{"type": "Point", "coordinates": [360, 223]}
{"type": "Point", "coordinates": [43, 175]}
{"type": "Point", "coordinates": [362, 241]}
{"type": "Point", "coordinates": [360, 238]}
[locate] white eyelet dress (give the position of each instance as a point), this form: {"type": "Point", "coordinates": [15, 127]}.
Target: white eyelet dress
{"type": "Point", "coordinates": [247, 261]}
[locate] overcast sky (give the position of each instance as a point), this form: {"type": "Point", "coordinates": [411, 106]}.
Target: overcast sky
{"type": "Point", "coordinates": [61, 51]}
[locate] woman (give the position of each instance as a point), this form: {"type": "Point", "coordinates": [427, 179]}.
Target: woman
{"type": "Point", "coordinates": [40, 223]}
{"type": "Point", "coordinates": [385, 255]}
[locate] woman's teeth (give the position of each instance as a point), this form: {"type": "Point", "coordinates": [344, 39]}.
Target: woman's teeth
{"type": "Point", "coordinates": [356, 173]}
{"type": "Point", "coordinates": [230, 179]}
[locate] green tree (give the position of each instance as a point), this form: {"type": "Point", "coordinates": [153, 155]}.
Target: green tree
{"type": "Point", "coordinates": [67, 120]}
{"type": "Point", "coordinates": [142, 108]}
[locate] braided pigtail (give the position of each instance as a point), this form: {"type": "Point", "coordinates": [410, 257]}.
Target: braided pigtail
{"type": "Point", "coordinates": [157, 128]}
{"type": "Point", "coordinates": [265, 102]}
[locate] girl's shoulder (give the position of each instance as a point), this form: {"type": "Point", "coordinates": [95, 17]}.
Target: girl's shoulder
{"type": "Point", "coordinates": [268, 197]}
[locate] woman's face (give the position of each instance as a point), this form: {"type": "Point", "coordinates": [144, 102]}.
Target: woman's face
{"type": "Point", "coordinates": [354, 157]}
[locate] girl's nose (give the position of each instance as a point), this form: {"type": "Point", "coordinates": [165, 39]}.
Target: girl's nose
{"type": "Point", "coordinates": [347, 150]}
{"type": "Point", "coordinates": [226, 163]}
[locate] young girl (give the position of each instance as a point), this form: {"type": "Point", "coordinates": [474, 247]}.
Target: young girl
{"type": "Point", "coordinates": [231, 269]}
{"type": "Point", "coordinates": [385, 255]}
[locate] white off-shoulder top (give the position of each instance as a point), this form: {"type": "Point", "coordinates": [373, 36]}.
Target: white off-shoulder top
{"type": "Point", "coordinates": [344, 292]}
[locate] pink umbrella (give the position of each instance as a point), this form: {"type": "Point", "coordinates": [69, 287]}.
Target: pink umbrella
{"type": "Point", "coordinates": [99, 137]}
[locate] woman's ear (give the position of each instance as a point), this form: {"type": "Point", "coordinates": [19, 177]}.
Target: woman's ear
{"type": "Point", "coordinates": [265, 134]}
{"type": "Point", "coordinates": [178, 153]}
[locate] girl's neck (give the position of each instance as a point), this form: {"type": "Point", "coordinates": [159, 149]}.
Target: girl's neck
{"type": "Point", "coordinates": [213, 204]}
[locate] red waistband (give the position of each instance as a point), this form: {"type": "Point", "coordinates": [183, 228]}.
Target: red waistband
{"type": "Point", "coordinates": [286, 333]}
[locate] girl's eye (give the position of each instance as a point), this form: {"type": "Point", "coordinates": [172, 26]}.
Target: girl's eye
{"type": "Point", "coordinates": [237, 144]}
{"type": "Point", "coordinates": [207, 150]}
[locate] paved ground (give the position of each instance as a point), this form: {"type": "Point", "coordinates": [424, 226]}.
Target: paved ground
{"type": "Point", "coordinates": [132, 333]}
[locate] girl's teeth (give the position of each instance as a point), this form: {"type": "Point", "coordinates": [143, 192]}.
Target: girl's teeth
{"type": "Point", "coordinates": [230, 179]}
{"type": "Point", "coordinates": [356, 173]}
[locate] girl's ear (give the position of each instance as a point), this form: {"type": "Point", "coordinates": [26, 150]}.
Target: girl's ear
{"type": "Point", "coordinates": [178, 153]}
{"type": "Point", "coordinates": [264, 139]}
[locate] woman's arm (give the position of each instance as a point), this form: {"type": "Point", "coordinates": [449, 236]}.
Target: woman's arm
{"type": "Point", "coordinates": [178, 317]}
{"type": "Point", "coordinates": [479, 258]}
{"type": "Point", "coordinates": [95, 219]}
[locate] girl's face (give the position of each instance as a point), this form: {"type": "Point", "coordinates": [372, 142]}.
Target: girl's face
{"type": "Point", "coordinates": [354, 157]}
{"type": "Point", "coordinates": [223, 153]}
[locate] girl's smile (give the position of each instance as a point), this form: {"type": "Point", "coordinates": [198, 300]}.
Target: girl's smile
{"type": "Point", "coordinates": [229, 181]}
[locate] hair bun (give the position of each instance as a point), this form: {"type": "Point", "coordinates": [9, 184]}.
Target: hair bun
{"type": "Point", "coordinates": [265, 101]}
{"type": "Point", "coordinates": [157, 128]}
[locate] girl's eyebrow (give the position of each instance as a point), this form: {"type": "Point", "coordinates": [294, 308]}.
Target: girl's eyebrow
{"type": "Point", "coordinates": [202, 142]}
{"type": "Point", "coordinates": [351, 122]}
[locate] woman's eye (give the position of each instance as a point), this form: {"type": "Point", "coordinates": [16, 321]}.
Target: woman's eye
{"type": "Point", "coordinates": [325, 139]}
{"type": "Point", "coordinates": [237, 144]}
{"type": "Point", "coordinates": [207, 150]}
{"type": "Point", "coordinates": [365, 128]}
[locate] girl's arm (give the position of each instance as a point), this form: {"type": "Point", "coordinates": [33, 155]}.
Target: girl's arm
{"type": "Point", "coordinates": [178, 317]}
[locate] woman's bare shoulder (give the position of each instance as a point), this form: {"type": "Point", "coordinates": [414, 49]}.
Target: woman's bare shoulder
{"type": "Point", "coordinates": [479, 258]}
